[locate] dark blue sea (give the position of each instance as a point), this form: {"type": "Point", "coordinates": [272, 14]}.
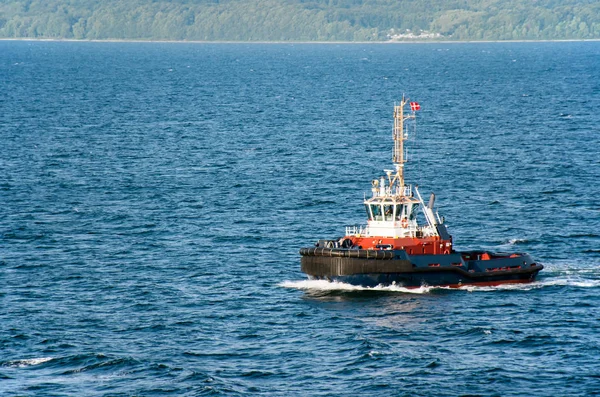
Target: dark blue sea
{"type": "Point", "coordinates": [154, 196]}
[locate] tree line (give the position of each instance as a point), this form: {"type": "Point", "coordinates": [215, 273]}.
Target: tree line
{"type": "Point", "coordinates": [300, 20]}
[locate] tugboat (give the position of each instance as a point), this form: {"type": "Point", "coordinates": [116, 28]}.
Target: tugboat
{"type": "Point", "coordinates": [403, 246]}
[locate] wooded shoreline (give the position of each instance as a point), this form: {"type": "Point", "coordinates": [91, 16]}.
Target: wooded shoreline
{"type": "Point", "coordinates": [301, 20]}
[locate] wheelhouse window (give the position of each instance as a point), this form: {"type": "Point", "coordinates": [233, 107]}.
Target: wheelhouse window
{"type": "Point", "coordinates": [369, 215]}
{"type": "Point", "coordinates": [399, 212]}
{"type": "Point", "coordinates": [376, 211]}
{"type": "Point", "coordinates": [388, 211]}
{"type": "Point", "coordinates": [413, 212]}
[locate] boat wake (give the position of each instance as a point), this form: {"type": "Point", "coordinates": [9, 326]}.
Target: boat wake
{"type": "Point", "coordinates": [563, 280]}
{"type": "Point", "coordinates": [324, 285]}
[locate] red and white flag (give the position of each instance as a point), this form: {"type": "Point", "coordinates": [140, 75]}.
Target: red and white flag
{"type": "Point", "coordinates": [415, 106]}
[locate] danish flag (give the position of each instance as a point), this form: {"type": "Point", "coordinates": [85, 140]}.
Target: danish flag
{"type": "Point", "coordinates": [415, 106]}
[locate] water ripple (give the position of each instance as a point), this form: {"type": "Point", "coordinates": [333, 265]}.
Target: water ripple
{"type": "Point", "coordinates": [154, 197]}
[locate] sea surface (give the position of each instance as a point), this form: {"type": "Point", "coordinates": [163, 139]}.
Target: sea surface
{"type": "Point", "coordinates": [154, 196]}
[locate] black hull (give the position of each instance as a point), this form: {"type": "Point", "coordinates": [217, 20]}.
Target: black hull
{"type": "Point", "coordinates": [398, 268]}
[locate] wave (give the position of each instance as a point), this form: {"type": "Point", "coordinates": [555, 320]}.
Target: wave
{"type": "Point", "coordinates": [511, 243]}
{"type": "Point", "coordinates": [501, 287]}
{"type": "Point", "coordinates": [324, 285]}
{"type": "Point", "coordinates": [584, 235]}
{"type": "Point", "coordinates": [25, 362]}
{"type": "Point", "coordinates": [516, 241]}
{"type": "Point", "coordinates": [576, 282]}
{"type": "Point", "coordinates": [327, 286]}
{"type": "Point", "coordinates": [570, 282]}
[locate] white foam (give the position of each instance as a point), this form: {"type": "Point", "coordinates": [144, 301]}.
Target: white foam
{"type": "Point", "coordinates": [324, 285]}
{"type": "Point", "coordinates": [550, 282]}
{"type": "Point", "coordinates": [514, 241]}
{"type": "Point", "coordinates": [572, 282]}
{"type": "Point", "coordinates": [501, 287]}
{"type": "Point", "coordinates": [28, 362]}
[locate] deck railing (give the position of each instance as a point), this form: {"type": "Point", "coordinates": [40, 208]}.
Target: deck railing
{"type": "Point", "coordinates": [354, 230]}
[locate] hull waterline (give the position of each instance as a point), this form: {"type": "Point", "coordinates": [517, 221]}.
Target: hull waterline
{"type": "Point", "coordinates": [422, 270]}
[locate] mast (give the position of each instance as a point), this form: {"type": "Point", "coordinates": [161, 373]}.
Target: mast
{"type": "Point", "coordinates": [398, 157]}
{"type": "Point", "coordinates": [392, 209]}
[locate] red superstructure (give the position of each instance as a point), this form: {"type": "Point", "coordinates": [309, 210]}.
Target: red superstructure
{"type": "Point", "coordinates": [413, 246]}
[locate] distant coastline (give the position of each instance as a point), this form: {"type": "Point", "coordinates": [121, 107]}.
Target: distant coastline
{"type": "Point", "coordinates": [292, 42]}
{"type": "Point", "coordinates": [300, 21]}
